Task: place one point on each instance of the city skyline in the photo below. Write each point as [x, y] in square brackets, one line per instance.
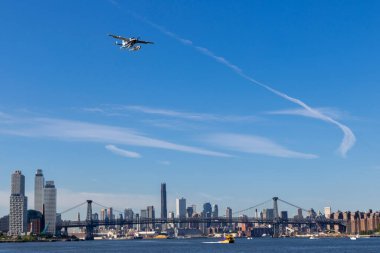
[182, 209]
[249, 222]
[269, 91]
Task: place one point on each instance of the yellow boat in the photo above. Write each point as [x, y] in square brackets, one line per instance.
[228, 239]
[161, 236]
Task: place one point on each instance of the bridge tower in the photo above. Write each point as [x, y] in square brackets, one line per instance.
[89, 223]
[276, 220]
[275, 208]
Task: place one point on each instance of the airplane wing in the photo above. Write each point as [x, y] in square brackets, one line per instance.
[144, 42]
[119, 37]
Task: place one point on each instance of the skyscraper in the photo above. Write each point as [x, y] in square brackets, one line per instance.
[128, 214]
[143, 217]
[189, 211]
[327, 212]
[164, 210]
[181, 208]
[151, 216]
[215, 213]
[268, 214]
[39, 183]
[103, 214]
[50, 204]
[110, 214]
[229, 216]
[284, 215]
[18, 183]
[18, 205]
[299, 211]
[207, 209]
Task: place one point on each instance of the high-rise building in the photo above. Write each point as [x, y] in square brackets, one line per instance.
[207, 212]
[311, 213]
[50, 206]
[143, 216]
[189, 211]
[171, 216]
[128, 214]
[207, 209]
[164, 210]
[268, 214]
[4, 224]
[181, 208]
[327, 212]
[151, 215]
[299, 213]
[151, 212]
[284, 215]
[95, 216]
[39, 183]
[103, 214]
[215, 213]
[18, 183]
[229, 215]
[110, 214]
[35, 222]
[18, 205]
[137, 226]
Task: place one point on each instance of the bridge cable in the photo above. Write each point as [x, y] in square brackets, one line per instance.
[303, 209]
[252, 207]
[118, 211]
[71, 208]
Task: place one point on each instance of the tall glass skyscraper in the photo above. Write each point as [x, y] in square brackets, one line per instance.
[164, 209]
[215, 213]
[181, 208]
[39, 183]
[207, 209]
[229, 216]
[50, 203]
[18, 205]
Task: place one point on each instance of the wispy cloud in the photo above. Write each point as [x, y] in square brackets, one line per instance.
[5, 118]
[122, 152]
[189, 115]
[331, 112]
[349, 138]
[82, 131]
[93, 109]
[118, 109]
[254, 145]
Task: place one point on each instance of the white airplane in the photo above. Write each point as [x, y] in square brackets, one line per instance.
[129, 43]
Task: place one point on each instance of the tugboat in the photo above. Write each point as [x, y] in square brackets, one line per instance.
[228, 239]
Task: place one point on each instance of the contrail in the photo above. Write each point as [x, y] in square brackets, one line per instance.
[349, 138]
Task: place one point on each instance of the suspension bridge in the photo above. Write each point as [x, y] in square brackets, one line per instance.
[276, 222]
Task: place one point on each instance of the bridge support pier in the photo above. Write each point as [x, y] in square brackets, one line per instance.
[276, 224]
[89, 223]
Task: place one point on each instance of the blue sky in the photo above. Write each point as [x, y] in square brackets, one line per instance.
[235, 103]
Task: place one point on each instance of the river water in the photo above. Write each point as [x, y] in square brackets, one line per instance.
[259, 245]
